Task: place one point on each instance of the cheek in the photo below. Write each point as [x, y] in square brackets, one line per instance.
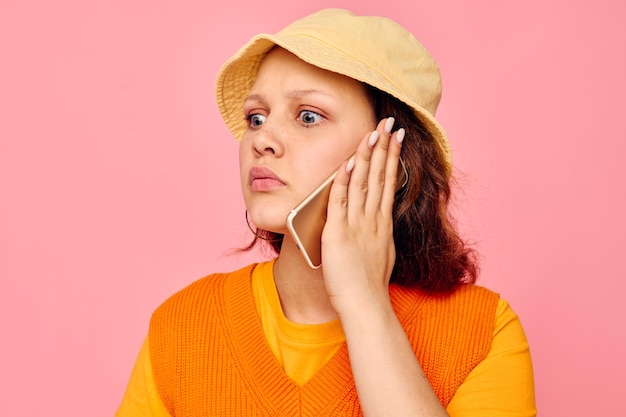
[351, 142]
[326, 161]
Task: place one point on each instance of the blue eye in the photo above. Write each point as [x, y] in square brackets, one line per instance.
[255, 120]
[310, 117]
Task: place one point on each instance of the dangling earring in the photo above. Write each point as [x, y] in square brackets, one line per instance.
[257, 233]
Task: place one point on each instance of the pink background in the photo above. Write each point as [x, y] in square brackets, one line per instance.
[119, 181]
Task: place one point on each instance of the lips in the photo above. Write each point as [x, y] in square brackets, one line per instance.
[263, 179]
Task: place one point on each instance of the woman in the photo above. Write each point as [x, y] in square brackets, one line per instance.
[391, 324]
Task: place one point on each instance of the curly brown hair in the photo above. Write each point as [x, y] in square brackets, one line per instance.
[430, 254]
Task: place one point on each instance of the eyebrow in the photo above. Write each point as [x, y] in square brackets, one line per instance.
[291, 94]
[296, 94]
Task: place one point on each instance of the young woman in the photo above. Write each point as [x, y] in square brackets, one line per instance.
[391, 324]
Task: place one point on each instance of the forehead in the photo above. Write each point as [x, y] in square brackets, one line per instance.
[280, 66]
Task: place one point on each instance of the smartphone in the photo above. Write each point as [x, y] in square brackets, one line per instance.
[306, 221]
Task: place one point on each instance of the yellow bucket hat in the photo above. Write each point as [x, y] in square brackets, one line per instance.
[372, 49]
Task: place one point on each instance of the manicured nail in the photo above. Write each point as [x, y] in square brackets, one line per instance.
[389, 124]
[400, 135]
[373, 139]
[350, 165]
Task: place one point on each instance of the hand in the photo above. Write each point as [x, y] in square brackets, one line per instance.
[357, 242]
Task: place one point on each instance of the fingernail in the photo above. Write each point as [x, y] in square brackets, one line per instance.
[373, 139]
[389, 124]
[400, 135]
[350, 165]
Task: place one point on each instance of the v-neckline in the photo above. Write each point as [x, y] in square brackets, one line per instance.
[331, 383]
[327, 388]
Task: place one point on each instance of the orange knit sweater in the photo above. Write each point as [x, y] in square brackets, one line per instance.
[210, 357]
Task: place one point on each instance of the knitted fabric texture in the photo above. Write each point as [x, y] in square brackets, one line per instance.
[210, 358]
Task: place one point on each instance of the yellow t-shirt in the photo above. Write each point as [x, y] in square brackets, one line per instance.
[301, 349]
[502, 382]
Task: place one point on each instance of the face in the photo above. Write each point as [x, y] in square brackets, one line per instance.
[303, 122]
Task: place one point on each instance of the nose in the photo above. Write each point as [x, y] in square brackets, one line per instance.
[268, 140]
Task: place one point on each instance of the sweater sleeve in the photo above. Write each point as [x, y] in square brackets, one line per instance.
[502, 384]
[141, 398]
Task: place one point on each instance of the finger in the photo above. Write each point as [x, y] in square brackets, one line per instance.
[377, 176]
[391, 174]
[359, 182]
[338, 196]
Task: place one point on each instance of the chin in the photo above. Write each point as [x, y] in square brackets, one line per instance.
[272, 222]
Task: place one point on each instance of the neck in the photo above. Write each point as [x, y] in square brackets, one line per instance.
[302, 292]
